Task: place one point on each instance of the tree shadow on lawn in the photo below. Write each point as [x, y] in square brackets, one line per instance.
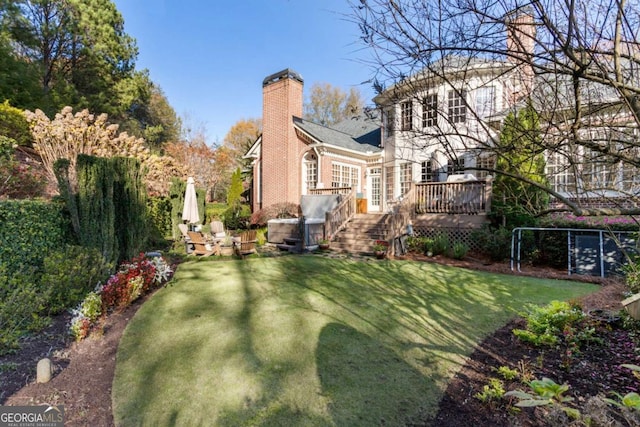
[367, 383]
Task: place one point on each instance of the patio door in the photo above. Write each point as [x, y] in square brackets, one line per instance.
[374, 186]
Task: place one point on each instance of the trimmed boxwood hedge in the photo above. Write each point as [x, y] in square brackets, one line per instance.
[31, 229]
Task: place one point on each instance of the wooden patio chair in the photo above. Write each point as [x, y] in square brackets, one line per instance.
[218, 234]
[201, 246]
[184, 230]
[246, 244]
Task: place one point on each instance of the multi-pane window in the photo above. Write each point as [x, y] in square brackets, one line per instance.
[455, 166]
[598, 171]
[484, 162]
[344, 176]
[406, 178]
[457, 107]
[561, 175]
[485, 101]
[428, 173]
[388, 182]
[430, 110]
[311, 166]
[406, 115]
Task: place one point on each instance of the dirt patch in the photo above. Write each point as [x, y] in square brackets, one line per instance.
[85, 370]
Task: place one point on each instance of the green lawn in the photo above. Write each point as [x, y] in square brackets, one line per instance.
[307, 340]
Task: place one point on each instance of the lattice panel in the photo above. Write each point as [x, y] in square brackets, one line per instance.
[454, 234]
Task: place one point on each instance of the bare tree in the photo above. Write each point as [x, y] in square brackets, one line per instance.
[576, 62]
[328, 105]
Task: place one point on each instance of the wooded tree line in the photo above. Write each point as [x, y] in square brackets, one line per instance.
[57, 53]
[70, 62]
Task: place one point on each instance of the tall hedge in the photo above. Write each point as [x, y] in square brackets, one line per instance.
[112, 206]
[30, 230]
[176, 195]
[130, 200]
[96, 210]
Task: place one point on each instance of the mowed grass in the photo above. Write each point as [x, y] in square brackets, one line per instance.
[310, 341]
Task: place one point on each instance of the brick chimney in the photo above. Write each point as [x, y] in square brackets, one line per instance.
[280, 170]
[521, 41]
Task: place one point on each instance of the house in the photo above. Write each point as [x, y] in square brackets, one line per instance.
[423, 131]
[293, 157]
[428, 143]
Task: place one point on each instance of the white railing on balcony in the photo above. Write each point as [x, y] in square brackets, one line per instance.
[470, 197]
[331, 190]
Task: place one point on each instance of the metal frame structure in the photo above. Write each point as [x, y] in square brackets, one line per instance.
[600, 232]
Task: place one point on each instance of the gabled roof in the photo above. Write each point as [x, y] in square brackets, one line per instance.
[361, 134]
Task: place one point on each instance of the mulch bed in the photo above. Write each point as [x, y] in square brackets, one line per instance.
[85, 370]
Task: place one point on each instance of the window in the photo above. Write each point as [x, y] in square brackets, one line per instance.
[430, 111]
[406, 177]
[406, 115]
[561, 176]
[388, 183]
[457, 106]
[455, 166]
[389, 125]
[598, 171]
[345, 176]
[485, 162]
[428, 172]
[311, 166]
[485, 101]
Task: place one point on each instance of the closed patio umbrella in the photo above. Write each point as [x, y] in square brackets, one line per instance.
[190, 209]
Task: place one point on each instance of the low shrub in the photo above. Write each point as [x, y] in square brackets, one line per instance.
[69, 274]
[21, 305]
[631, 272]
[496, 242]
[237, 217]
[31, 230]
[276, 211]
[546, 324]
[133, 279]
[459, 250]
[441, 244]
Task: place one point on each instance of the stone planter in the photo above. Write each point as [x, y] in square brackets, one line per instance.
[324, 246]
[379, 254]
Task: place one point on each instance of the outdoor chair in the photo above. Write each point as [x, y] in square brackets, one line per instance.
[246, 244]
[217, 231]
[201, 246]
[184, 229]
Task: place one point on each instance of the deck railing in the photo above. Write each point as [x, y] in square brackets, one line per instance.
[401, 213]
[331, 190]
[338, 217]
[470, 197]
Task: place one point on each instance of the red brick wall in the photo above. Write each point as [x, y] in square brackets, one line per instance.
[281, 149]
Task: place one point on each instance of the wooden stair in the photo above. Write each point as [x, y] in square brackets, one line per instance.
[361, 233]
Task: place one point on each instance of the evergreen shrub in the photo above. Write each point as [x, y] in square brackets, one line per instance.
[69, 274]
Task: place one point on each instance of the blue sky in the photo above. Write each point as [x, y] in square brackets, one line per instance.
[210, 56]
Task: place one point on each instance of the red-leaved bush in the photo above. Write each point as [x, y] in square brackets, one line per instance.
[133, 279]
